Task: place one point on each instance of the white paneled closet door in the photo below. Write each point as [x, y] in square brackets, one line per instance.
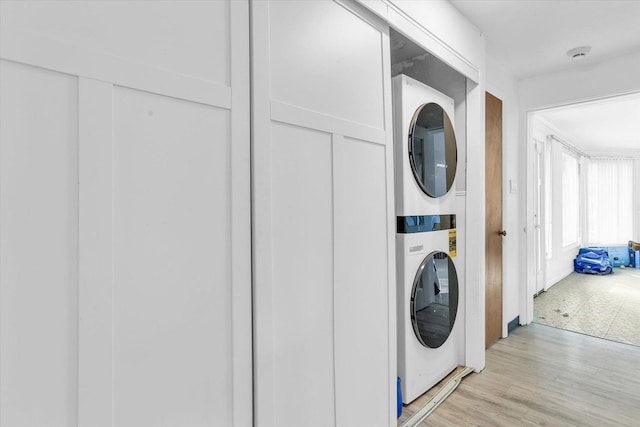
[125, 269]
[324, 257]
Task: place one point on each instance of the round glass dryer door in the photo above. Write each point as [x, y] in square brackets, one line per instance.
[434, 300]
[432, 150]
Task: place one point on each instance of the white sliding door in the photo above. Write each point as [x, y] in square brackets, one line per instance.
[38, 246]
[324, 280]
[125, 214]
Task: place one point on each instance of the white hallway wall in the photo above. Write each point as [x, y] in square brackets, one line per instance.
[560, 265]
[616, 76]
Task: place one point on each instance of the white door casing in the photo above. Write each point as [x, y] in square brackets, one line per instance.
[538, 216]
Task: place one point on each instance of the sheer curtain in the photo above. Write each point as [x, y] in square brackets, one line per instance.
[570, 198]
[610, 204]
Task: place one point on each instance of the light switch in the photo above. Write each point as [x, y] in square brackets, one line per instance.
[513, 186]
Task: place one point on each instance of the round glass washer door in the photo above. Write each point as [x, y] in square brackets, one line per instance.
[434, 299]
[433, 151]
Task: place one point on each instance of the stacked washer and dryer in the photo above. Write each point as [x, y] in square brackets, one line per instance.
[430, 341]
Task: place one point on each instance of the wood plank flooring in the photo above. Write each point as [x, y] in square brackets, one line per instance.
[543, 376]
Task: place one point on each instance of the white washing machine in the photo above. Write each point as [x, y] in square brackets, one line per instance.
[425, 149]
[430, 341]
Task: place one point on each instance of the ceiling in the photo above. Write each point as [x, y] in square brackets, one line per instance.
[532, 37]
[600, 128]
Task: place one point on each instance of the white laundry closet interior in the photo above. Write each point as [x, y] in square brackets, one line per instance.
[430, 206]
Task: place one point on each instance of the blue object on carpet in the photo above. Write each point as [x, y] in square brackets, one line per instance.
[592, 261]
[618, 255]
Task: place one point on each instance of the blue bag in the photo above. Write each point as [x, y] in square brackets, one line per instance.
[592, 261]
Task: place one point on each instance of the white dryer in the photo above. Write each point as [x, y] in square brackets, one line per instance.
[425, 149]
[430, 341]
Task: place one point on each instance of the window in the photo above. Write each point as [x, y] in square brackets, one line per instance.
[609, 201]
[570, 199]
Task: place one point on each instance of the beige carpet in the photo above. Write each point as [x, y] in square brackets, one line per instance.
[601, 306]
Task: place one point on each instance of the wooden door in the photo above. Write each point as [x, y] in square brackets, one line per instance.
[493, 220]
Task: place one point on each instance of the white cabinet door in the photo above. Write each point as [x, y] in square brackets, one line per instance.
[38, 246]
[323, 245]
[125, 214]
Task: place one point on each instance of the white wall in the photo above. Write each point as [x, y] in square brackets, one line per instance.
[615, 76]
[504, 86]
[560, 264]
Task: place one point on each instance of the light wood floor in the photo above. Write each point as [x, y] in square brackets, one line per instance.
[543, 376]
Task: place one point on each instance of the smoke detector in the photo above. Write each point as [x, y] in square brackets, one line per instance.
[578, 52]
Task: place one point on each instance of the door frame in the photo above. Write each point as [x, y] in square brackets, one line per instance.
[539, 213]
[526, 297]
